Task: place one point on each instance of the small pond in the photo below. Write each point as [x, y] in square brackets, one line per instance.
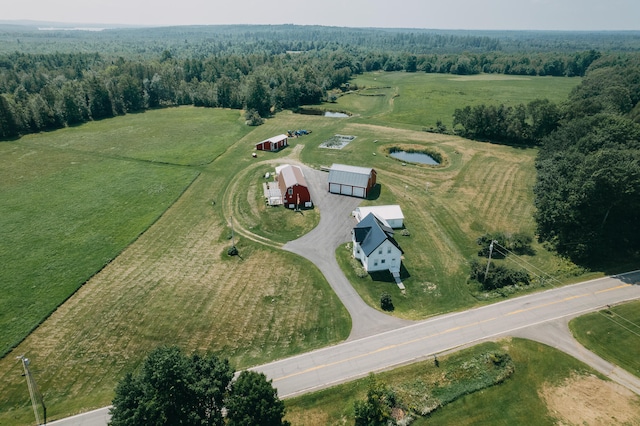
[333, 114]
[414, 157]
[315, 111]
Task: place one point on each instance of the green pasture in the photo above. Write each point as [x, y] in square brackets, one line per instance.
[417, 100]
[151, 197]
[611, 333]
[63, 218]
[73, 199]
[515, 401]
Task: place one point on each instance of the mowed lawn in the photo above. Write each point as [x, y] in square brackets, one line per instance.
[612, 333]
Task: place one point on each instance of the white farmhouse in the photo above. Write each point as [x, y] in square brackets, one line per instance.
[375, 247]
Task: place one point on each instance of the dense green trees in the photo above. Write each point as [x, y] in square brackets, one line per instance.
[174, 389]
[267, 68]
[254, 402]
[376, 408]
[520, 125]
[588, 186]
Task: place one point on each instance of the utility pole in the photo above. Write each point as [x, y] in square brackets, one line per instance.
[34, 393]
[489, 261]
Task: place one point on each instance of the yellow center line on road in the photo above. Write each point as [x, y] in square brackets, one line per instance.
[613, 288]
[546, 304]
[385, 348]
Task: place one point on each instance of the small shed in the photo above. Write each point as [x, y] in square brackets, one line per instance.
[293, 186]
[275, 143]
[390, 215]
[351, 180]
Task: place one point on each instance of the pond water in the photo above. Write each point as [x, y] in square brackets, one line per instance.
[335, 114]
[414, 157]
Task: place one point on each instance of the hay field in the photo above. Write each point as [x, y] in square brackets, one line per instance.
[175, 285]
[417, 100]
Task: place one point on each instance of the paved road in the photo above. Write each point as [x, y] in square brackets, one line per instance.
[356, 358]
[319, 246]
[557, 335]
[352, 359]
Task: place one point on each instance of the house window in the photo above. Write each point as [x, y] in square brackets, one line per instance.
[389, 250]
[380, 251]
[290, 191]
[375, 263]
[382, 261]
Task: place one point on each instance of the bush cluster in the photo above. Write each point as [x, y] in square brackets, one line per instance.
[498, 276]
[518, 243]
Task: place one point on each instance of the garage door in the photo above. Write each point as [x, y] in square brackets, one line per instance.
[334, 188]
[347, 190]
[358, 192]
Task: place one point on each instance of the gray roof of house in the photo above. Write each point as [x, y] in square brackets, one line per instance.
[370, 233]
[349, 175]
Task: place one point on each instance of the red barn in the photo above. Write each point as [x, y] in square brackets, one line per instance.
[275, 143]
[293, 187]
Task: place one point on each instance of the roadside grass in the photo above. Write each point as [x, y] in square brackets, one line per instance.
[176, 285]
[611, 333]
[514, 401]
[419, 100]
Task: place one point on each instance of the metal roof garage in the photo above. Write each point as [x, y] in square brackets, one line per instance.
[351, 180]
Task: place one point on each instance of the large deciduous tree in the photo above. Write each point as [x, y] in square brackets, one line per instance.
[174, 389]
[254, 402]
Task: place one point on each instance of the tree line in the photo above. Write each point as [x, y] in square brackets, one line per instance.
[587, 190]
[261, 68]
[49, 91]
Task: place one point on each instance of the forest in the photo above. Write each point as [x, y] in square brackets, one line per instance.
[588, 186]
[52, 79]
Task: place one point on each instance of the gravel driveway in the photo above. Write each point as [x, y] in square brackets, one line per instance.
[319, 247]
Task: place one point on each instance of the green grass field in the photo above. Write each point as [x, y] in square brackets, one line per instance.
[139, 207]
[610, 333]
[417, 100]
[518, 400]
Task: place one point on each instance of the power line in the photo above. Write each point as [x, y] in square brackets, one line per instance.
[552, 278]
[34, 392]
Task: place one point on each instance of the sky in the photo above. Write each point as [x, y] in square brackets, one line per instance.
[572, 15]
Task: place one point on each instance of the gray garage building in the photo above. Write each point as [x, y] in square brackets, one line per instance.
[351, 180]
